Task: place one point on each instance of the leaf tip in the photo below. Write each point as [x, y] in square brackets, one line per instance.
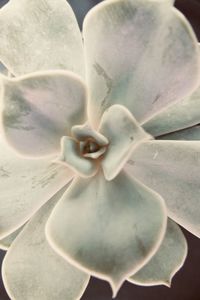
[115, 284]
[167, 283]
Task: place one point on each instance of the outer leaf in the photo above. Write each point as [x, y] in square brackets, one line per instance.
[40, 35]
[142, 54]
[178, 116]
[182, 114]
[166, 262]
[32, 270]
[8, 240]
[171, 168]
[25, 185]
[108, 228]
[124, 134]
[3, 69]
[190, 134]
[40, 108]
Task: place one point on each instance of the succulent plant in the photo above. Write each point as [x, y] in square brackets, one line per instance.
[93, 173]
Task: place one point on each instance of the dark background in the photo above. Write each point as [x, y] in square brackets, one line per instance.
[186, 283]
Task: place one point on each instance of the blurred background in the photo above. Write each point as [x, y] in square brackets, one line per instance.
[186, 283]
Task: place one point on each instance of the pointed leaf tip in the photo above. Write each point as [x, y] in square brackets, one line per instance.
[168, 283]
[166, 261]
[115, 285]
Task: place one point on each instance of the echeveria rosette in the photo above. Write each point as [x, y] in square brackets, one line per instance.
[140, 58]
[81, 151]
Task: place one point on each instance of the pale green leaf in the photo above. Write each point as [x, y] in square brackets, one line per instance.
[33, 271]
[183, 114]
[40, 108]
[8, 240]
[39, 35]
[108, 228]
[124, 134]
[169, 258]
[25, 185]
[142, 54]
[188, 134]
[171, 168]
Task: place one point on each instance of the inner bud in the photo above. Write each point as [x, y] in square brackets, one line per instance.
[91, 149]
[90, 146]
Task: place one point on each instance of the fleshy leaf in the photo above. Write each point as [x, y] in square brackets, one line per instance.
[142, 54]
[3, 69]
[96, 155]
[38, 109]
[25, 185]
[166, 262]
[32, 270]
[124, 134]
[171, 168]
[8, 240]
[108, 228]
[39, 35]
[70, 155]
[178, 116]
[188, 134]
[82, 132]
